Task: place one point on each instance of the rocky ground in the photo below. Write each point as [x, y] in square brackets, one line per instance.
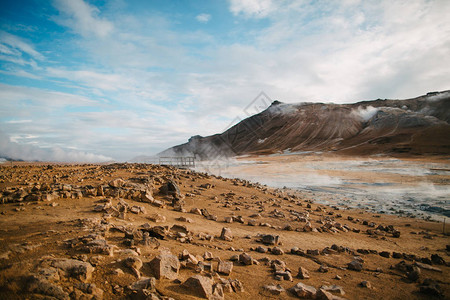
[154, 232]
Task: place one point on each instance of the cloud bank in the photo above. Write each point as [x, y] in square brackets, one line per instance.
[16, 151]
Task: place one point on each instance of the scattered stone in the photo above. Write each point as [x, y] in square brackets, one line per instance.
[73, 268]
[41, 286]
[245, 259]
[413, 274]
[325, 295]
[201, 286]
[170, 188]
[261, 249]
[157, 218]
[366, 284]
[302, 290]
[323, 269]
[303, 273]
[269, 239]
[226, 234]
[431, 287]
[165, 265]
[333, 289]
[274, 289]
[385, 254]
[277, 251]
[355, 266]
[184, 219]
[135, 264]
[225, 267]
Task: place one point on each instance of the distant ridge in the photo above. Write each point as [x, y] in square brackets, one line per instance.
[417, 126]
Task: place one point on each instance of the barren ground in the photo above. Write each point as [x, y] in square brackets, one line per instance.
[33, 230]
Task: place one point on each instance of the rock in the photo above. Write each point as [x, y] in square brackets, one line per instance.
[323, 269]
[38, 285]
[333, 289]
[228, 219]
[385, 254]
[73, 268]
[201, 286]
[277, 251]
[269, 239]
[355, 266]
[165, 265]
[144, 284]
[236, 285]
[274, 289]
[226, 234]
[117, 271]
[184, 219]
[427, 267]
[116, 183]
[49, 274]
[135, 264]
[413, 274]
[245, 259]
[91, 289]
[157, 218]
[325, 295]
[225, 267]
[366, 284]
[303, 273]
[261, 249]
[436, 259]
[170, 188]
[302, 290]
[208, 255]
[431, 287]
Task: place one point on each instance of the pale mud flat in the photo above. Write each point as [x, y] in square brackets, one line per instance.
[415, 187]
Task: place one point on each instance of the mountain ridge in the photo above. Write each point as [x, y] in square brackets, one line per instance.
[414, 126]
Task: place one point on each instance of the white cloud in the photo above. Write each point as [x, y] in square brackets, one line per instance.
[203, 18]
[11, 95]
[14, 150]
[252, 8]
[15, 46]
[83, 18]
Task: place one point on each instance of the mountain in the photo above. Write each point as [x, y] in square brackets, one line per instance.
[413, 126]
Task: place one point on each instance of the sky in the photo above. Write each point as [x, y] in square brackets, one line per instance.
[94, 80]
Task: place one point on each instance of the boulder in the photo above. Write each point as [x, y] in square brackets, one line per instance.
[303, 273]
[226, 234]
[170, 188]
[274, 289]
[41, 286]
[302, 290]
[269, 239]
[201, 286]
[355, 266]
[225, 267]
[277, 251]
[73, 268]
[134, 263]
[165, 265]
[245, 259]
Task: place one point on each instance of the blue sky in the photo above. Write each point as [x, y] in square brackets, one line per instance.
[99, 80]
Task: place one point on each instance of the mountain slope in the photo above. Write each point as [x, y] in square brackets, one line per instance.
[415, 126]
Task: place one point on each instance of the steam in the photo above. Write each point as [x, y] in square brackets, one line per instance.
[16, 151]
[365, 113]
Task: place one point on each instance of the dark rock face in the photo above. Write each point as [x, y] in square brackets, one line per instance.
[418, 126]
